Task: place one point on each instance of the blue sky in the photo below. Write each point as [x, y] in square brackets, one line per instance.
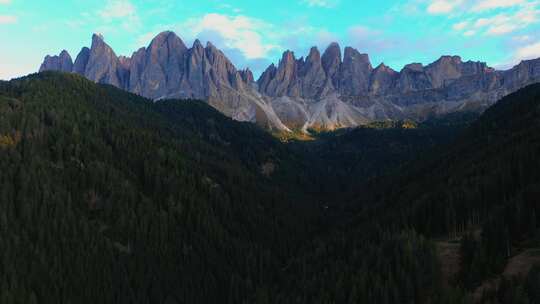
[255, 33]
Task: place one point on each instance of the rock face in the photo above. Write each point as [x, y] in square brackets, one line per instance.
[81, 61]
[325, 91]
[355, 73]
[62, 62]
[103, 65]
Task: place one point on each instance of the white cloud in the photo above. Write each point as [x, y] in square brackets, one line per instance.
[493, 4]
[460, 25]
[473, 6]
[469, 33]
[525, 15]
[7, 19]
[522, 38]
[118, 9]
[506, 23]
[321, 3]
[531, 51]
[145, 38]
[245, 40]
[122, 11]
[373, 41]
[236, 32]
[5, 1]
[443, 6]
[501, 29]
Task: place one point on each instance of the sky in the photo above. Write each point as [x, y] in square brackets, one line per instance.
[255, 33]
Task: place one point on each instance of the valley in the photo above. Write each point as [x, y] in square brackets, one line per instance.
[270, 152]
[109, 197]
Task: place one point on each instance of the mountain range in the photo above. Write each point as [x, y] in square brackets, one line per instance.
[322, 91]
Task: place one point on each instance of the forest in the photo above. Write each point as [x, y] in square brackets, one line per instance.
[107, 197]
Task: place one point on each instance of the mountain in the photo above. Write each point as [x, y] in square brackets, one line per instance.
[327, 91]
[167, 68]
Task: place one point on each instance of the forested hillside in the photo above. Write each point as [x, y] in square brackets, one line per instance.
[107, 197]
[347, 158]
[481, 190]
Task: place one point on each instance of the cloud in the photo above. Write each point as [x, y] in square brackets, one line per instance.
[253, 37]
[321, 3]
[5, 1]
[506, 23]
[443, 6]
[236, 54]
[522, 38]
[531, 51]
[525, 15]
[494, 4]
[118, 9]
[8, 19]
[460, 25]
[247, 41]
[373, 41]
[122, 11]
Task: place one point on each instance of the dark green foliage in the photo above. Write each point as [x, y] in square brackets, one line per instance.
[483, 185]
[370, 268]
[491, 171]
[532, 284]
[106, 197]
[345, 159]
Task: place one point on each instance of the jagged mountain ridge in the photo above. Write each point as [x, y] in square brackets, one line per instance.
[168, 69]
[325, 91]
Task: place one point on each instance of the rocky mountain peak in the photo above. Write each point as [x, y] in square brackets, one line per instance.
[313, 61]
[414, 67]
[169, 41]
[383, 67]
[81, 61]
[522, 73]
[197, 44]
[266, 77]
[328, 90]
[97, 39]
[352, 55]
[354, 75]
[214, 54]
[287, 58]
[210, 45]
[197, 50]
[448, 59]
[383, 79]
[62, 62]
[314, 55]
[247, 76]
[164, 36]
[331, 60]
[285, 75]
[445, 69]
[102, 66]
[65, 54]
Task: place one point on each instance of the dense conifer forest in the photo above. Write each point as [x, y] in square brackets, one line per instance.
[107, 197]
